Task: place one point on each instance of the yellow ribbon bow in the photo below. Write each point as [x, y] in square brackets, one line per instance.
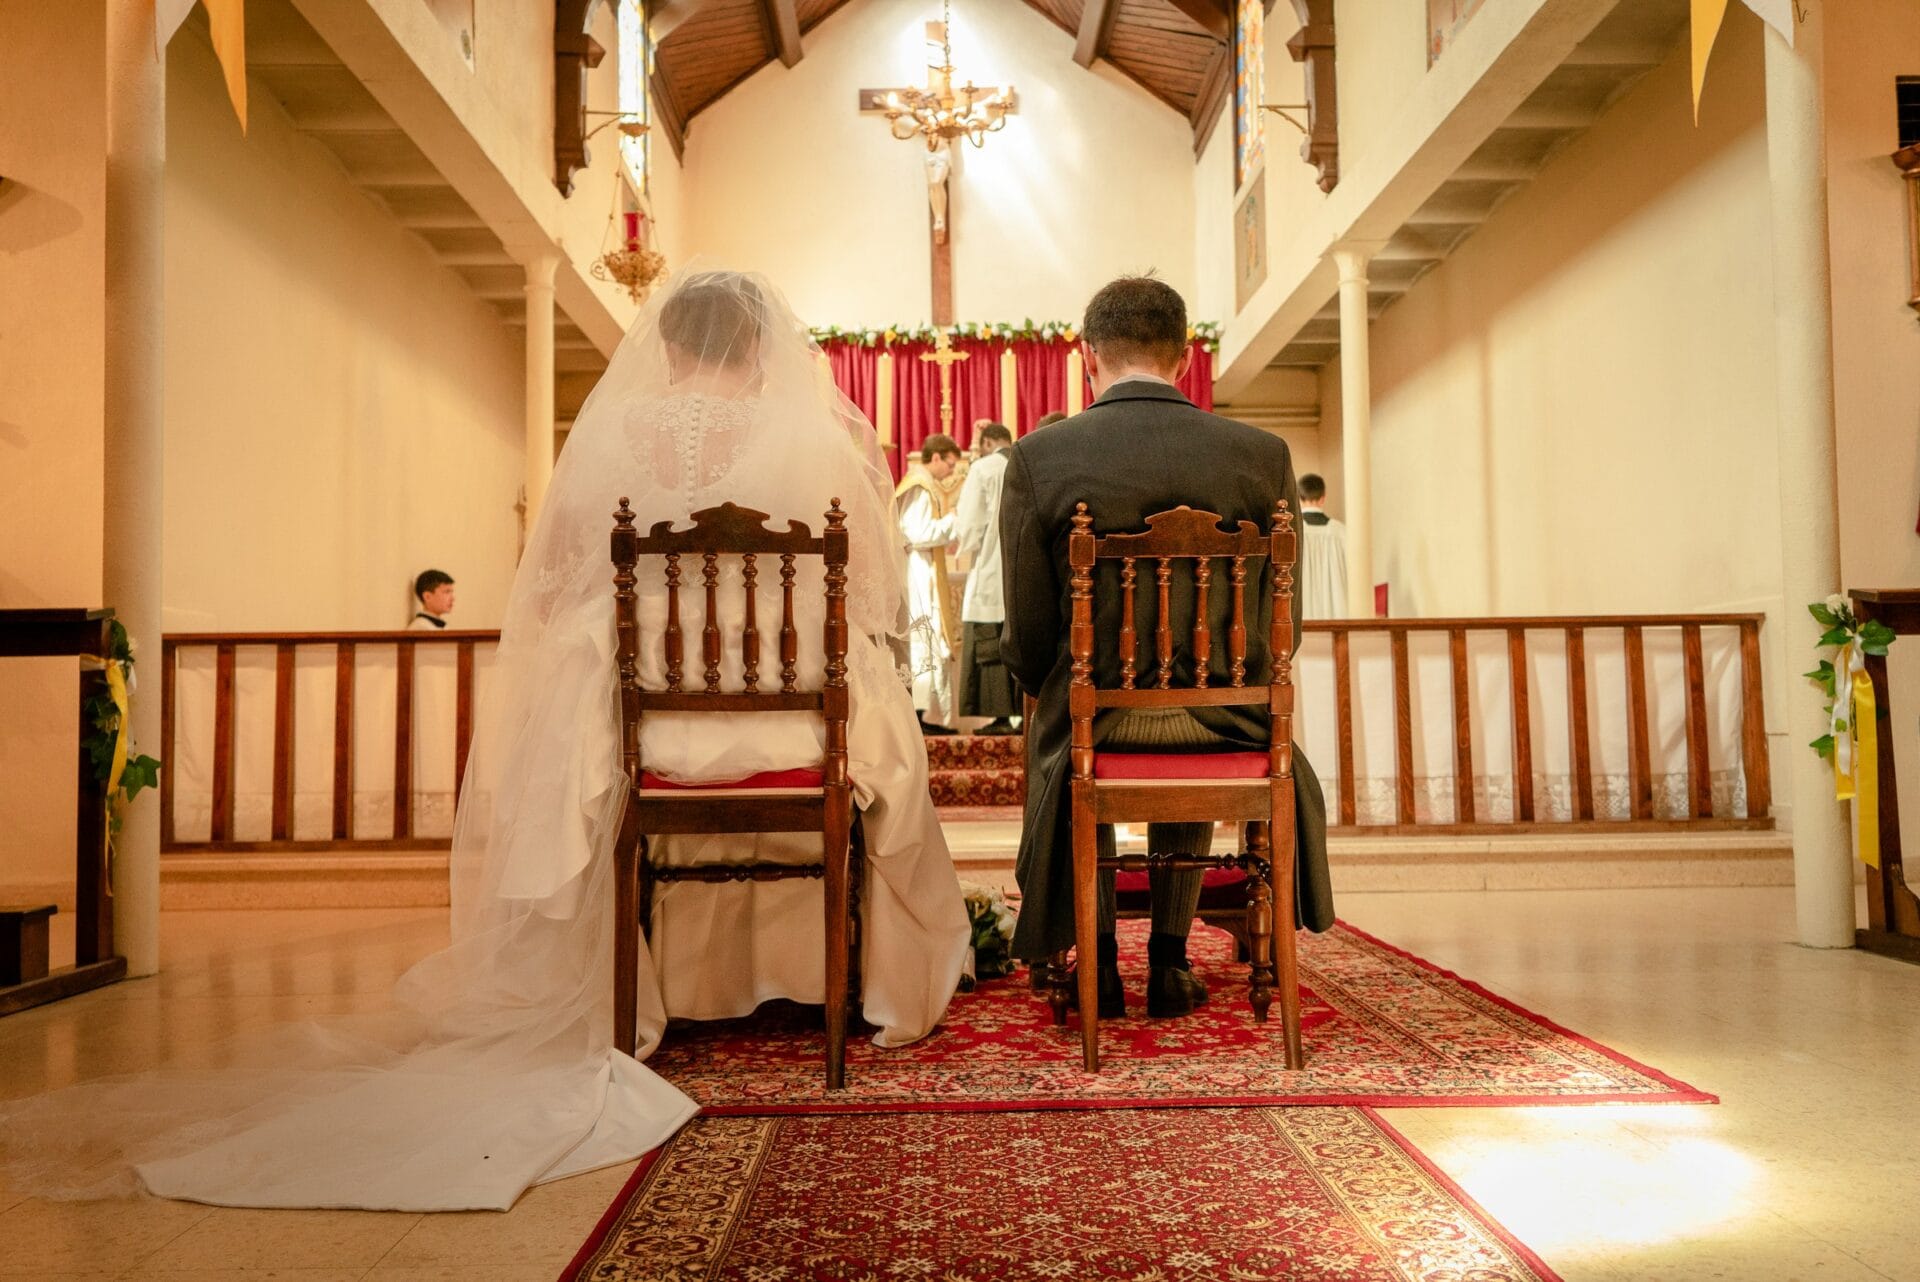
[1856, 748]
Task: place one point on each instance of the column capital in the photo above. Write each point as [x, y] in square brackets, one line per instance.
[540, 262]
[1352, 256]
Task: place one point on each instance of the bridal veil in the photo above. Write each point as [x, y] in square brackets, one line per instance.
[493, 1069]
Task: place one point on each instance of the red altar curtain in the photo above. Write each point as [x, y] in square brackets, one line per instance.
[976, 387]
[916, 393]
[856, 371]
[1041, 386]
[1042, 380]
[1197, 386]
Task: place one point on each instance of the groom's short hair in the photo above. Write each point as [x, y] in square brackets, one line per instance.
[1136, 320]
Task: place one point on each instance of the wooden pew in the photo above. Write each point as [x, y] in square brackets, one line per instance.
[82, 635]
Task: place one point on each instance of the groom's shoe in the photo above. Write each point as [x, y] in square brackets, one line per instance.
[998, 726]
[1113, 992]
[927, 727]
[1172, 991]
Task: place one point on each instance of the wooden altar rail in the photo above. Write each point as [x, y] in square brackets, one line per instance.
[346, 646]
[1526, 816]
[1574, 629]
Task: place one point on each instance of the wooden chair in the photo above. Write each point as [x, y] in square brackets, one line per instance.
[816, 800]
[1254, 788]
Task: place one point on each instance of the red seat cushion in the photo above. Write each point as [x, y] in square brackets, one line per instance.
[804, 778]
[1196, 766]
[1211, 879]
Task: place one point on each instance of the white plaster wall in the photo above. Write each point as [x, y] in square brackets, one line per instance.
[52, 330]
[341, 411]
[1575, 412]
[1380, 54]
[504, 106]
[1213, 199]
[1092, 178]
[1876, 336]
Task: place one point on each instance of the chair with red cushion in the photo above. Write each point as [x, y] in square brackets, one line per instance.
[817, 799]
[1250, 788]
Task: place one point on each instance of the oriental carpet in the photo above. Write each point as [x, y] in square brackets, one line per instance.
[1153, 1195]
[1382, 1029]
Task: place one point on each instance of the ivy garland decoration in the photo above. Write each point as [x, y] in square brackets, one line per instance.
[1843, 629]
[109, 739]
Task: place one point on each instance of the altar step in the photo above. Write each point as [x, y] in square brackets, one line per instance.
[976, 772]
[984, 850]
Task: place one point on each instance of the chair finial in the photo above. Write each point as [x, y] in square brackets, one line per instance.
[1283, 517]
[623, 517]
[836, 516]
[1081, 521]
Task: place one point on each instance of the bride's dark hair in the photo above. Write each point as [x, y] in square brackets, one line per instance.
[717, 317]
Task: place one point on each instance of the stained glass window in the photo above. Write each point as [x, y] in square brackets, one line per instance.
[1249, 88]
[636, 57]
[1444, 20]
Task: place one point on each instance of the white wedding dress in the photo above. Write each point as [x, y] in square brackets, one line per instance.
[494, 1071]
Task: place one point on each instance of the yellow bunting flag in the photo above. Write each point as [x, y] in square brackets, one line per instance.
[228, 20]
[1707, 17]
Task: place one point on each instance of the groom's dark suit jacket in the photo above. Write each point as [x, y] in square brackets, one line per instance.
[1140, 449]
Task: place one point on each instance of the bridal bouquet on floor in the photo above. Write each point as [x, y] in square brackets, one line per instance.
[991, 918]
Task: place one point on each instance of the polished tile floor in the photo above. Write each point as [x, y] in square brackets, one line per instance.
[1810, 1169]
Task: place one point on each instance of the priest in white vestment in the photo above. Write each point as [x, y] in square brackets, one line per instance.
[1323, 554]
[929, 526]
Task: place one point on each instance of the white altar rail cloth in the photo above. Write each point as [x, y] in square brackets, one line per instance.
[354, 741]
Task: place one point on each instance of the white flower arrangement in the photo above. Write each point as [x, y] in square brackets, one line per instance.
[991, 918]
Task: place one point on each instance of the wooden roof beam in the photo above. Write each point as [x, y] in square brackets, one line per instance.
[1096, 24]
[1212, 16]
[783, 25]
[667, 113]
[1213, 94]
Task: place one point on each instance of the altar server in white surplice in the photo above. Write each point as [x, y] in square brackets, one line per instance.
[494, 1069]
[929, 525]
[986, 686]
[1323, 554]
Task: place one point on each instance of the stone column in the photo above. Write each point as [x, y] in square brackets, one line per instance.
[131, 545]
[540, 266]
[1809, 484]
[1356, 422]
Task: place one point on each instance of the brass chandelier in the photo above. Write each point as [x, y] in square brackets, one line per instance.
[941, 113]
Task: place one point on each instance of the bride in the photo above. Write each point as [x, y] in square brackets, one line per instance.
[495, 1069]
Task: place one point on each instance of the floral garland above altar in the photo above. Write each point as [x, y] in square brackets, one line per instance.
[1206, 333]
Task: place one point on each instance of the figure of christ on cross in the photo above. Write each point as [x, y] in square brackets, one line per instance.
[938, 160]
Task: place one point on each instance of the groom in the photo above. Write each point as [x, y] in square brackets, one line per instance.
[1139, 449]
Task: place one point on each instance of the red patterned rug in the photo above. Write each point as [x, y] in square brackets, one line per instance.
[1175, 1195]
[1382, 1028]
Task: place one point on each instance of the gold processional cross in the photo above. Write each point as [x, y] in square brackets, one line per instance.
[938, 163]
[946, 358]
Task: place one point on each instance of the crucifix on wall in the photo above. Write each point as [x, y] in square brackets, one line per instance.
[938, 116]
